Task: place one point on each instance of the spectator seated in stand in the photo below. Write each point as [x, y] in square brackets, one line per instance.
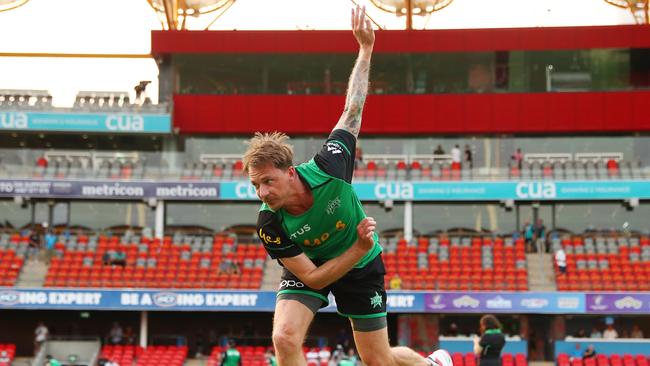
[636, 332]
[119, 259]
[225, 267]
[610, 332]
[589, 352]
[114, 258]
[577, 353]
[396, 282]
[235, 268]
[439, 151]
[107, 258]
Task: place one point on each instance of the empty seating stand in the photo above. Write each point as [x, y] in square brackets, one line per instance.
[387, 167]
[122, 355]
[602, 262]
[580, 166]
[535, 166]
[214, 167]
[162, 355]
[382, 167]
[150, 356]
[437, 167]
[13, 251]
[83, 164]
[25, 100]
[179, 261]
[564, 359]
[457, 263]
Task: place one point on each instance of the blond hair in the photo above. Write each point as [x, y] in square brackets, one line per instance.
[268, 148]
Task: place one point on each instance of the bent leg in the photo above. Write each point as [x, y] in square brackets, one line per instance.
[290, 324]
[374, 349]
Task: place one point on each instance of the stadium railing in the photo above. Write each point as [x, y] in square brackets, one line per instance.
[134, 165]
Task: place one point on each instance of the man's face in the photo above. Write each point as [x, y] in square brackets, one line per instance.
[272, 185]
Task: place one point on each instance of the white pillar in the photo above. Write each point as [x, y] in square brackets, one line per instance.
[144, 320]
[408, 220]
[160, 219]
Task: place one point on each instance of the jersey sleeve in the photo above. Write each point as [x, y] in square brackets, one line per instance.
[336, 158]
[483, 342]
[276, 242]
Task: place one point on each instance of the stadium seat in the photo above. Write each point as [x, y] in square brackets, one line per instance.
[13, 251]
[217, 261]
[604, 262]
[430, 263]
[255, 355]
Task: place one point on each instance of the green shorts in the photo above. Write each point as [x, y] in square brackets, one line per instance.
[360, 294]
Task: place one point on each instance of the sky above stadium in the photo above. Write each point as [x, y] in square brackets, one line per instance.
[124, 26]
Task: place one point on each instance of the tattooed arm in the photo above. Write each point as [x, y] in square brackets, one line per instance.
[358, 85]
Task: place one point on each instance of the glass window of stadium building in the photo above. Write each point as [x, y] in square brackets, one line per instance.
[418, 73]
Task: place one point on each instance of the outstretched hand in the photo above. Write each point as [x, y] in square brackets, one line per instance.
[362, 28]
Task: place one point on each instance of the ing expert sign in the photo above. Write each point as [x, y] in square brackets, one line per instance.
[137, 300]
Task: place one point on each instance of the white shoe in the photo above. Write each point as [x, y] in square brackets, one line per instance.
[440, 358]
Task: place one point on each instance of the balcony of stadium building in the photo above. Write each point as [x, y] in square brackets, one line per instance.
[22, 100]
[126, 157]
[100, 135]
[87, 101]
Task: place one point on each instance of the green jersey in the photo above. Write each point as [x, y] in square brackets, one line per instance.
[231, 358]
[329, 227]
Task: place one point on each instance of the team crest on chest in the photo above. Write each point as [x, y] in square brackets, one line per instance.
[333, 205]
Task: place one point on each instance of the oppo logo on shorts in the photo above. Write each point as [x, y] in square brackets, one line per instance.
[291, 283]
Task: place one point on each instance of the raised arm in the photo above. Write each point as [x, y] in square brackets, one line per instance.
[358, 85]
